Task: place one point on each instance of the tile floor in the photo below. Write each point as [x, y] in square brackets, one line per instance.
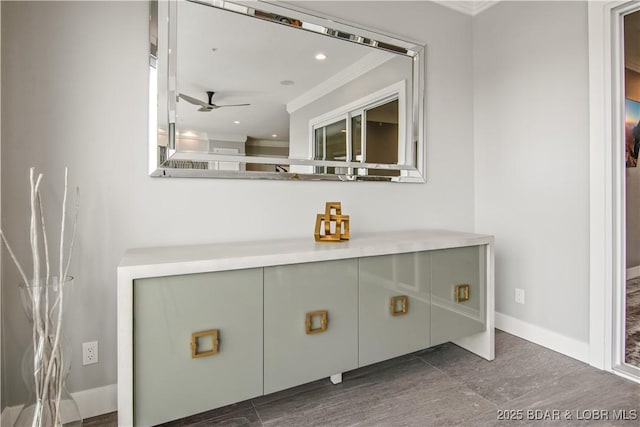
[632, 324]
[444, 386]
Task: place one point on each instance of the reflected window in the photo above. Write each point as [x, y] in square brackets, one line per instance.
[344, 138]
[356, 143]
[382, 137]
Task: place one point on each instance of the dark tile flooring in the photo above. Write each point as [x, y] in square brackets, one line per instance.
[444, 386]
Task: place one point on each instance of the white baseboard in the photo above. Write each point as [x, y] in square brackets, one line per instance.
[92, 402]
[97, 401]
[552, 340]
[633, 272]
[9, 415]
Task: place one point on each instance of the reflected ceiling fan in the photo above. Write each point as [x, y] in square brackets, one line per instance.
[210, 106]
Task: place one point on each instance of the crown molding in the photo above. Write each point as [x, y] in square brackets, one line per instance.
[468, 7]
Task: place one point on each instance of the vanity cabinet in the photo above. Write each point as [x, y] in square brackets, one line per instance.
[393, 306]
[172, 380]
[458, 293]
[310, 322]
[201, 327]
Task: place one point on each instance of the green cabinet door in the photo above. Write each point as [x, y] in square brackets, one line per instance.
[393, 305]
[458, 293]
[169, 382]
[296, 298]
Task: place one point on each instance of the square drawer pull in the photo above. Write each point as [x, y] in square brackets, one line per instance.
[404, 305]
[323, 321]
[195, 337]
[462, 293]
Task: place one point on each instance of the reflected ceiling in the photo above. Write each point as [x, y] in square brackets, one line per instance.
[264, 64]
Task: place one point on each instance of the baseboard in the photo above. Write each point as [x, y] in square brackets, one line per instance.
[633, 272]
[552, 340]
[92, 402]
[97, 401]
[9, 415]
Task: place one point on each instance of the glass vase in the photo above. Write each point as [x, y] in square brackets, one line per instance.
[47, 360]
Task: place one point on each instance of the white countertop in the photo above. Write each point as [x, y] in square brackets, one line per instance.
[172, 260]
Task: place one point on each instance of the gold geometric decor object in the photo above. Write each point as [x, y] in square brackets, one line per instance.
[332, 226]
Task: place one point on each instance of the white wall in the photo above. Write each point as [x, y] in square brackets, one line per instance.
[74, 93]
[532, 178]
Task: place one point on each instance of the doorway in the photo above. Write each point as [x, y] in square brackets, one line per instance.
[607, 179]
[631, 294]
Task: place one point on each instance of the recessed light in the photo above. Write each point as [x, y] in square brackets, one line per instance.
[274, 136]
[321, 56]
[236, 122]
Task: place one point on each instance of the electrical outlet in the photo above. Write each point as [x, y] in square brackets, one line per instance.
[520, 296]
[89, 353]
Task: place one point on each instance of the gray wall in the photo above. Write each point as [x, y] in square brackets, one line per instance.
[74, 93]
[531, 143]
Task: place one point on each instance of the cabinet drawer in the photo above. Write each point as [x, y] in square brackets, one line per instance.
[291, 355]
[168, 382]
[453, 317]
[384, 334]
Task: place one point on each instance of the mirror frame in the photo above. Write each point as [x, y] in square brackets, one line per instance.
[163, 108]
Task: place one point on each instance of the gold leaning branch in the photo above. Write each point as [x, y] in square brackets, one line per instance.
[48, 359]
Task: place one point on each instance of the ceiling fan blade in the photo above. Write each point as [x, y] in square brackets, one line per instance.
[193, 100]
[231, 105]
[205, 109]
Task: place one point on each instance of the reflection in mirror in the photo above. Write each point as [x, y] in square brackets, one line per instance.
[259, 91]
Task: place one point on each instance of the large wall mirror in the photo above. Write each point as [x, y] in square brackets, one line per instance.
[258, 90]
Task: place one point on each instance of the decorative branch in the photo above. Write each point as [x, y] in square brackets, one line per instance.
[75, 229]
[45, 245]
[61, 279]
[48, 358]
